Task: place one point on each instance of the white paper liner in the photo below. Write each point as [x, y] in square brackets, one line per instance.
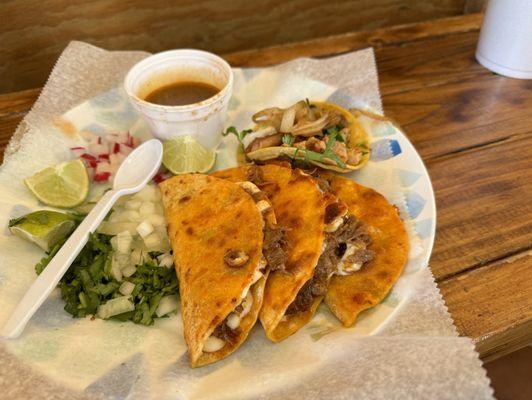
[417, 354]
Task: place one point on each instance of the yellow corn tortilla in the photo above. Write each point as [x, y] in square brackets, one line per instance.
[207, 217]
[299, 207]
[347, 296]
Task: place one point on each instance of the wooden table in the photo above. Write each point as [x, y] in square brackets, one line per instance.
[474, 131]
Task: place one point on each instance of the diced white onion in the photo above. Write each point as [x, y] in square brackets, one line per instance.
[157, 220]
[166, 260]
[148, 193]
[114, 228]
[144, 229]
[115, 306]
[116, 271]
[167, 305]
[129, 270]
[126, 288]
[123, 242]
[213, 344]
[132, 205]
[153, 242]
[147, 208]
[138, 257]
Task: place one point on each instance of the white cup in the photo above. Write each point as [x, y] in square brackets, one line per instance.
[203, 120]
[505, 44]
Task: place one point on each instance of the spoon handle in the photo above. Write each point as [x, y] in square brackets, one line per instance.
[54, 271]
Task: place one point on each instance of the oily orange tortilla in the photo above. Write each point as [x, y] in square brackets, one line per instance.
[349, 295]
[205, 217]
[300, 208]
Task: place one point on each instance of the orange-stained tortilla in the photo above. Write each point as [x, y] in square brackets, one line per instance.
[207, 217]
[300, 208]
[349, 295]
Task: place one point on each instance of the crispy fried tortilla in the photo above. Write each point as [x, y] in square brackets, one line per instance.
[300, 209]
[350, 294]
[216, 231]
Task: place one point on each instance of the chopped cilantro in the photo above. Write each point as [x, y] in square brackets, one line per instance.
[239, 135]
[288, 139]
[88, 282]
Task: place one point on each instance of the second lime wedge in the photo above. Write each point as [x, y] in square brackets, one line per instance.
[44, 228]
[183, 154]
[65, 185]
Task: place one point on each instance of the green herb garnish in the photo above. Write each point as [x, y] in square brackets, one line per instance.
[239, 135]
[88, 283]
[288, 139]
[333, 135]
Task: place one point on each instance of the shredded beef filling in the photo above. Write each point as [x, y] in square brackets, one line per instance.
[254, 175]
[225, 333]
[351, 231]
[274, 241]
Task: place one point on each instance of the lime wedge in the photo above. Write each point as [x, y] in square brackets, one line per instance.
[66, 185]
[44, 228]
[184, 154]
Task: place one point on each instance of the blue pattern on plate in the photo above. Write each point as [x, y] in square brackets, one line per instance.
[424, 228]
[384, 149]
[408, 178]
[414, 203]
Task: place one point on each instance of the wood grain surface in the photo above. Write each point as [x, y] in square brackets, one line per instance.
[34, 32]
[474, 131]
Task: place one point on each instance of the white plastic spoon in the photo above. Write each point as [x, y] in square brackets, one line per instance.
[135, 172]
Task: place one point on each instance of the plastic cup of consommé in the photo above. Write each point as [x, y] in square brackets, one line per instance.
[182, 92]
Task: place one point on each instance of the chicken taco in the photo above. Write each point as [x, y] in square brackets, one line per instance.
[320, 133]
[221, 262]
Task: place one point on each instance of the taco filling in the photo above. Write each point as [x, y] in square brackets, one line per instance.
[273, 258]
[319, 133]
[345, 251]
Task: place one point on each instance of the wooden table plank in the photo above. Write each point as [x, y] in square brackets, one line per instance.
[13, 107]
[493, 305]
[483, 198]
[461, 115]
[338, 44]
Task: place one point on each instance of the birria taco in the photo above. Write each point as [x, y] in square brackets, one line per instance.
[299, 206]
[372, 249]
[320, 133]
[218, 231]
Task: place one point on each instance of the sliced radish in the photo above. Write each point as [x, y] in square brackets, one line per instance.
[101, 177]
